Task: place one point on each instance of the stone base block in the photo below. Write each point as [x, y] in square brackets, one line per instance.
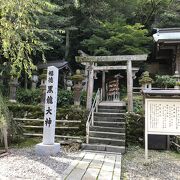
[47, 150]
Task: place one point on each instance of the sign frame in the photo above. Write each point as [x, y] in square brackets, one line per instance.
[157, 132]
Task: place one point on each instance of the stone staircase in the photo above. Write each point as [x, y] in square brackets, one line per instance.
[108, 131]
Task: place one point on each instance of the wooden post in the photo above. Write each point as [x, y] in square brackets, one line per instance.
[103, 85]
[86, 76]
[129, 86]
[90, 87]
[178, 59]
[5, 138]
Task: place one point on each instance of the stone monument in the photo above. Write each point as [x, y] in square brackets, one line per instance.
[34, 80]
[12, 89]
[48, 147]
[77, 78]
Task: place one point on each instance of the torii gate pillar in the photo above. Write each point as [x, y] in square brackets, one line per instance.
[103, 85]
[129, 86]
[90, 87]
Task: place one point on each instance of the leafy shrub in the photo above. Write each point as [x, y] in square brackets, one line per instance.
[123, 92]
[165, 81]
[37, 112]
[83, 98]
[4, 116]
[28, 96]
[138, 104]
[134, 128]
[4, 89]
[6, 121]
[65, 98]
[29, 111]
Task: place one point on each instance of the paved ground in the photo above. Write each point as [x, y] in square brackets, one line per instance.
[94, 166]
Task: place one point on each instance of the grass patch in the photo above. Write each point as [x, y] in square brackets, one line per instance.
[29, 142]
[175, 154]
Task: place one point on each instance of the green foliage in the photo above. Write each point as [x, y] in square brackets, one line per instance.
[145, 78]
[123, 91]
[6, 121]
[26, 142]
[83, 98]
[24, 32]
[34, 30]
[134, 128]
[4, 113]
[65, 98]
[138, 104]
[29, 111]
[118, 38]
[148, 11]
[165, 81]
[37, 112]
[28, 96]
[170, 16]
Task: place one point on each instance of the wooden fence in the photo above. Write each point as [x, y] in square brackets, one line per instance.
[34, 128]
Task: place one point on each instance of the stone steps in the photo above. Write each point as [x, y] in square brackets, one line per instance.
[112, 110]
[107, 141]
[109, 124]
[105, 114]
[123, 107]
[107, 135]
[104, 147]
[108, 130]
[109, 119]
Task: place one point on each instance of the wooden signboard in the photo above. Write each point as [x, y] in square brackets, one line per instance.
[162, 117]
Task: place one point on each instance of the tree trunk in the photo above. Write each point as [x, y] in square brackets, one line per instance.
[67, 44]
[5, 138]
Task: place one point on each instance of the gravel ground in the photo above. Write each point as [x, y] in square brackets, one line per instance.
[162, 165]
[25, 164]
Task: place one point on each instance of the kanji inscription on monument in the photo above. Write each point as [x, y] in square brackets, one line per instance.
[163, 116]
[50, 105]
[48, 147]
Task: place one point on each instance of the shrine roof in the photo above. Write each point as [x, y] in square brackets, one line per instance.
[59, 64]
[167, 34]
[161, 92]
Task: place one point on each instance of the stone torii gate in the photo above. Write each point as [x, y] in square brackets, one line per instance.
[91, 60]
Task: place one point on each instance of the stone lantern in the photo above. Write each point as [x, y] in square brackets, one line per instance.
[69, 83]
[34, 80]
[43, 78]
[12, 89]
[77, 78]
[146, 81]
[177, 78]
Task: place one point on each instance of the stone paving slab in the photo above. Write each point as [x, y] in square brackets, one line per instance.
[94, 166]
